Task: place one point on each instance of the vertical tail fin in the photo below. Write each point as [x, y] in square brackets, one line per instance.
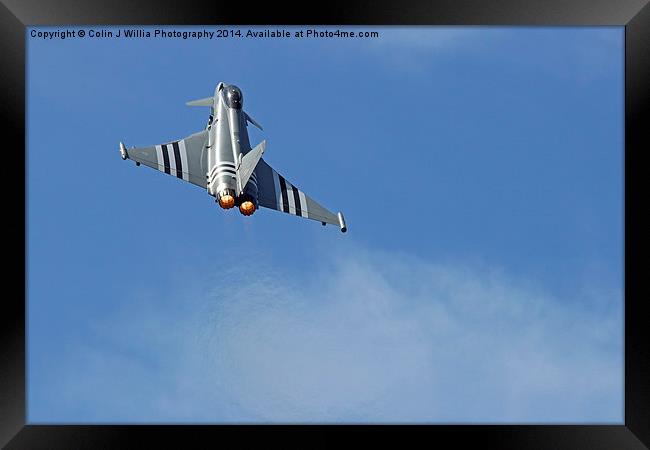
[248, 163]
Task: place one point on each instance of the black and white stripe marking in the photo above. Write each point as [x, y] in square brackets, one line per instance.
[222, 168]
[296, 200]
[172, 159]
[285, 197]
[289, 198]
[177, 160]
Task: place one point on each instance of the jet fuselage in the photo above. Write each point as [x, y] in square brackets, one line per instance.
[227, 143]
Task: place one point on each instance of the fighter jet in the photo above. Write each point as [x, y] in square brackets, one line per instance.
[220, 159]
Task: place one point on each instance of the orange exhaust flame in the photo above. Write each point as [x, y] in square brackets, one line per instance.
[247, 208]
[226, 201]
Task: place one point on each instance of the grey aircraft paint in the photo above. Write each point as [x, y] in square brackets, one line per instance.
[220, 158]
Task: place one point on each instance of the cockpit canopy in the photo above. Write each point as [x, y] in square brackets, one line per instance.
[233, 97]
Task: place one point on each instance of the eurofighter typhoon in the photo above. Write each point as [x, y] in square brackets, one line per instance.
[220, 159]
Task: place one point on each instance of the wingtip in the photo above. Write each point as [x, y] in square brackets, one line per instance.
[344, 227]
[123, 152]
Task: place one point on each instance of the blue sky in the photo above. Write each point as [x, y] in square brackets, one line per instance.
[480, 171]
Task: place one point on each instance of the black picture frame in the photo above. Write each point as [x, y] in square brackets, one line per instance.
[634, 15]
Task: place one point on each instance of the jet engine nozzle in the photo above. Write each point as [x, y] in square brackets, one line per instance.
[226, 198]
[247, 205]
[247, 208]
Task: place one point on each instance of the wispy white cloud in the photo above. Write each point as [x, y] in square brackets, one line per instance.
[577, 53]
[416, 48]
[431, 38]
[367, 337]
